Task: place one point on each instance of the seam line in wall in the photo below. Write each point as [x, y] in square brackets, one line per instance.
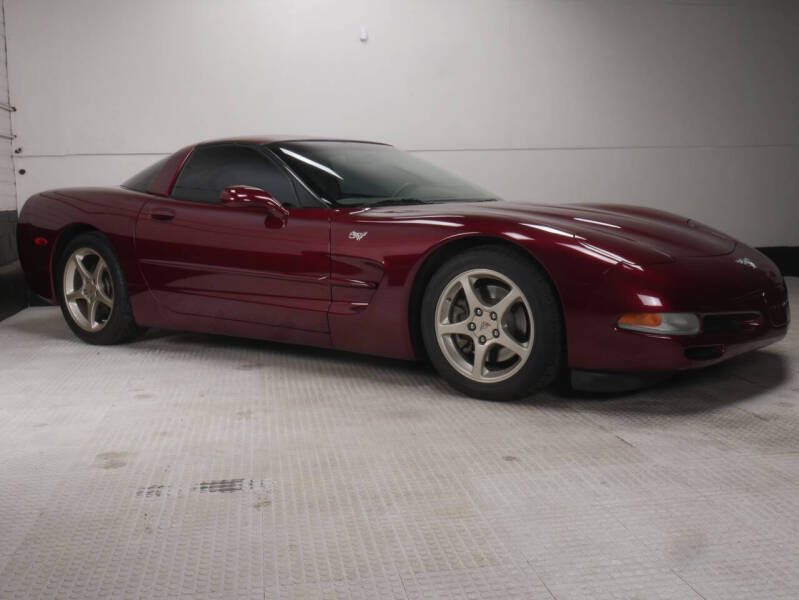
[494, 149]
[68, 154]
[589, 148]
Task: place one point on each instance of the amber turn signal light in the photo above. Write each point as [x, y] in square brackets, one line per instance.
[641, 319]
[663, 323]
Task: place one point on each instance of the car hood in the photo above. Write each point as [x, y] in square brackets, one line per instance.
[658, 236]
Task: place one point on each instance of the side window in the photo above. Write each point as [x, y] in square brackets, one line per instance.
[210, 169]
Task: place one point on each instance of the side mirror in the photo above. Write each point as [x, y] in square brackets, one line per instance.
[242, 196]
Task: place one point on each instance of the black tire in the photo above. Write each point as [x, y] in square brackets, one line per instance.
[543, 364]
[120, 326]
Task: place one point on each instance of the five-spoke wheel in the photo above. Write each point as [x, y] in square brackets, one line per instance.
[491, 323]
[484, 325]
[93, 291]
[88, 289]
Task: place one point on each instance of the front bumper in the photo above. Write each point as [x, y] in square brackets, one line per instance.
[740, 297]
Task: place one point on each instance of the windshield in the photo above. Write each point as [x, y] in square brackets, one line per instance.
[364, 174]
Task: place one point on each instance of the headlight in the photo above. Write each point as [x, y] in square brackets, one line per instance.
[664, 323]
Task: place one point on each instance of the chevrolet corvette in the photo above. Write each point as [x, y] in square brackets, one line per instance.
[360, 247]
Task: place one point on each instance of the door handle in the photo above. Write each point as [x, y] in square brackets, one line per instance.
[162, 214]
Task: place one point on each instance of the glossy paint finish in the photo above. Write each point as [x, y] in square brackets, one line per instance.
[230, 262]
[350, 278]
[598, 271]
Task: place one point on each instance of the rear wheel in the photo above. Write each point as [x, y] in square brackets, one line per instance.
[491, 324]
[93, 292]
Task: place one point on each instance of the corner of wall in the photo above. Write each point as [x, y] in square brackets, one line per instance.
[13, 289]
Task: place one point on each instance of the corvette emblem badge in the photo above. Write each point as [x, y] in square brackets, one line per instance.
[357, 235]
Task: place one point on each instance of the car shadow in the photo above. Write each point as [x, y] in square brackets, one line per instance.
[693, 391]
[689, 392]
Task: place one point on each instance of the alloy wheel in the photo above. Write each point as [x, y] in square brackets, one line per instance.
[484, 325]
[88, 289]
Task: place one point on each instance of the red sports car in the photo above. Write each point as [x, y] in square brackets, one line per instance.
[360, 247]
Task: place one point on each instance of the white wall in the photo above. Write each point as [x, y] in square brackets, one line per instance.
[8, 198]
[689, 106]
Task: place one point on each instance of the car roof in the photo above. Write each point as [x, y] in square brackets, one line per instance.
[273, 139]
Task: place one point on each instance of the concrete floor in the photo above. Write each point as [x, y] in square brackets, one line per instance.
[205, 467]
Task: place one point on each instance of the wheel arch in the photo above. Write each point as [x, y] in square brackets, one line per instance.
[441, 254]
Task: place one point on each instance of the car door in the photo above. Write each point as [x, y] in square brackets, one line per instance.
[200, 257]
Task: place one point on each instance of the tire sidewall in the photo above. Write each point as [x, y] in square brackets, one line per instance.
[118, 323]
[544, 361]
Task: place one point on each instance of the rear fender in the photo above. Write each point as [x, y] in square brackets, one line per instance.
[49, 220]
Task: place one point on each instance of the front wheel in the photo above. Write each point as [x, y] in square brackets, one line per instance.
[93, 292]
[491, 324]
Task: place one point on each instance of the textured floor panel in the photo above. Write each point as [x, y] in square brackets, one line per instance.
[205, 467]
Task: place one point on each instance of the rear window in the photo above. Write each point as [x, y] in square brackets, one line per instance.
[142, 180]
